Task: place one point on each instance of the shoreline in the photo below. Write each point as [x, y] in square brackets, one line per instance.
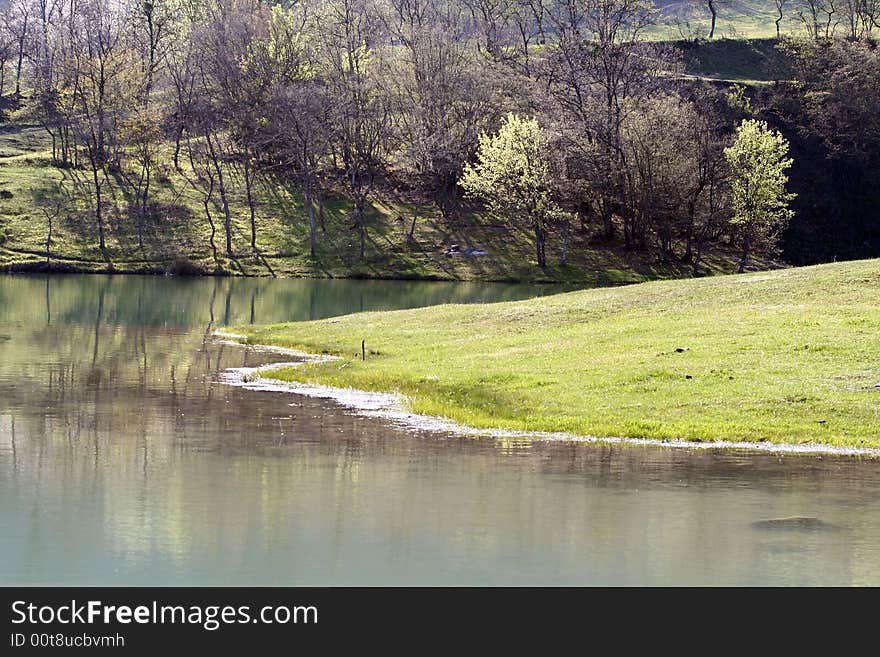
[392, 407]
[66, 268]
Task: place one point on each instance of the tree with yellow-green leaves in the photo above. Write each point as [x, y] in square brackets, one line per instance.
[513, 176]
[758, 177]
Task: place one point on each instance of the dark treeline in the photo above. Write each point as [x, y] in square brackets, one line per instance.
[831, 114]
[363, 98]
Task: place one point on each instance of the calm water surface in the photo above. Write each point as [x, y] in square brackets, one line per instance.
[124, 461]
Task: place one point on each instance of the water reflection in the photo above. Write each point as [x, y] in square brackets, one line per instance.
[158, 301]
[124, 461]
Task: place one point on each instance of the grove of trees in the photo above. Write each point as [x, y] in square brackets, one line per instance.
[558, 115]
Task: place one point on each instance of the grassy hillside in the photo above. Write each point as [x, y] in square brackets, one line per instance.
[736, 19]
[745, 61]
[177, 234]
[786, 356]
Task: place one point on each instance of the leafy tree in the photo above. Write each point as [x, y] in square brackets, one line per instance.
[758, 164]
[513, 175]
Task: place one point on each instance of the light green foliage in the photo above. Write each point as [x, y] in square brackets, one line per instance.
[281, 51]
[738, 100]
[758, 166]
[513, 175]
[783, 356]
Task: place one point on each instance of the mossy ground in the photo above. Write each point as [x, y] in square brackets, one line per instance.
[787, 356]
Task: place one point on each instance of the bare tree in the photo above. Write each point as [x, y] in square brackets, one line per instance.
[18, 22]
[713, 11]
[491, 18]
[102, 60]
[780, 8]
[294, 123]
[819, 18]
[362, 116]
[860, 18]
[439, 101]
[598, 65]
[7, 47]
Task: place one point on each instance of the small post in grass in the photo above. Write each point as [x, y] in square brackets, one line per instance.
[363, 350]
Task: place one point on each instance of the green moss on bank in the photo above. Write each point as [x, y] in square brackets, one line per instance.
[787, 356]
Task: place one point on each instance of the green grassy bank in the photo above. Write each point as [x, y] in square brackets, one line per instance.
[177, 234]
[787, 356]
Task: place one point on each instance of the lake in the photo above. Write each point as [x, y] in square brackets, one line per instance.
[124, 460]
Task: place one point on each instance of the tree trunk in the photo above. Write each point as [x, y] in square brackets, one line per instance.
[361, 229]
[698, 257]
[206, 202]
[607, 220]
[412, 227]
[745, 254]
[143, 187]
[250, 201]
[48, 239]
[178, 135]
[539, 244]
[313, 239]
[140, 226]
[224, 200]
[689, 245]
[664, 238]
[714, 16]
[582, 213]
[144, 201]
[98, 214]
[227, 215]
[51, 134]
[565, 231]
[19, 63]
[65, 145]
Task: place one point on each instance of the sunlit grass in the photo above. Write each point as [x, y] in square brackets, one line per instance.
[737, 19]
[784, 356]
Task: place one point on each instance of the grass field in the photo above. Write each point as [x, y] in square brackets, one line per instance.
[177, 233]
[744, 61]
[737, 19]
[788, 356]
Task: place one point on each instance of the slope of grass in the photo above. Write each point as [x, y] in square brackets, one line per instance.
[787, 356]
[753, 19]
[747, 61]
[176, 232]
